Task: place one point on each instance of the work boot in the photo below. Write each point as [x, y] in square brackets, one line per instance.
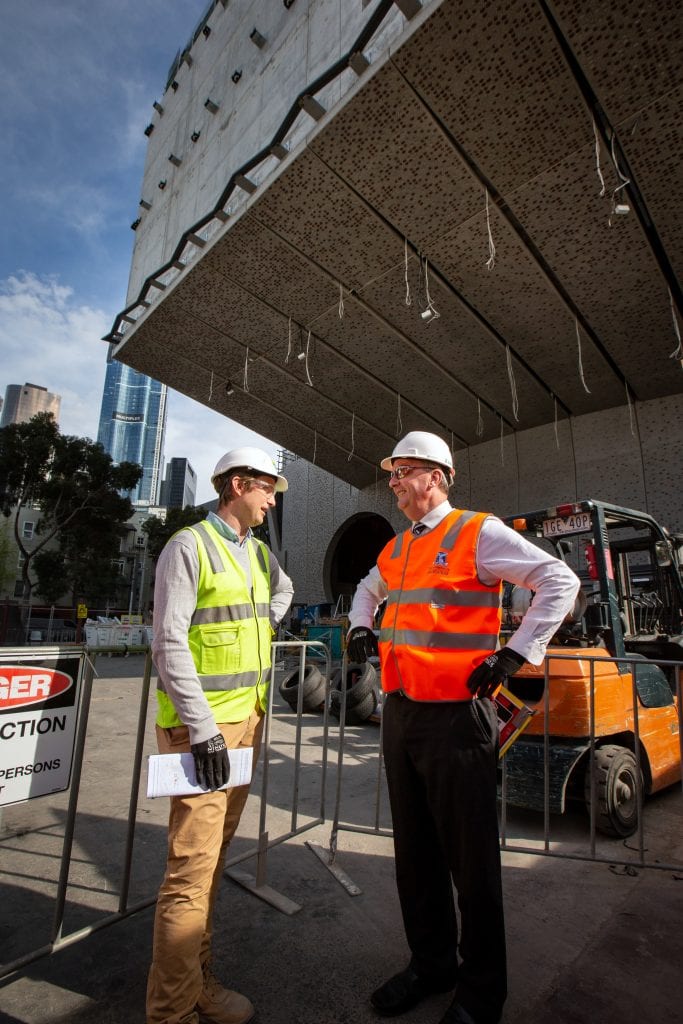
[221, 1005]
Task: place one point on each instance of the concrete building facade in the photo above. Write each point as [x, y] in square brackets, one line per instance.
[23, 401]
[363, 218]
[332, 532]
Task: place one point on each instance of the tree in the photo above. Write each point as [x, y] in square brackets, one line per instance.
[82, 498]
[6, 550]
[161, 530]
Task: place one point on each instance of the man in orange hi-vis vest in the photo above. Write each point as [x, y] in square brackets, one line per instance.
[440, 664]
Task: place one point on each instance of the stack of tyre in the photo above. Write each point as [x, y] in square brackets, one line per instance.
[362, 693]
[312, 684]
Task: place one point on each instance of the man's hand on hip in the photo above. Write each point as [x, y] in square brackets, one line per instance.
[493, 672]
[211, 762]
[361, 644]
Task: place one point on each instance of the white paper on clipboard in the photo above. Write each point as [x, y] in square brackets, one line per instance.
[174, 774]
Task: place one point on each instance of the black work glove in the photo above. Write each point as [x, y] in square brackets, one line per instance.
[493, 672]
[361, 644]
[211, 762]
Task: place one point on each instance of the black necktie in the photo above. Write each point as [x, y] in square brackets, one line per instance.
[419, 528]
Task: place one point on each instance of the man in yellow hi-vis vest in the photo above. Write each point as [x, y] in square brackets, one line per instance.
[219, 594]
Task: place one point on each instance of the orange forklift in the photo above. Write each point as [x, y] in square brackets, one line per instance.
[627, 712]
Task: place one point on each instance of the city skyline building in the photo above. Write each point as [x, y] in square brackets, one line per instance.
[23, 401]
[133, 424]
[180, 484]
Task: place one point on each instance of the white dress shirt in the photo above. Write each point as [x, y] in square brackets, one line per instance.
[502, 554]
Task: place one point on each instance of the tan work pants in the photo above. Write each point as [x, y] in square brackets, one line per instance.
[199, 831]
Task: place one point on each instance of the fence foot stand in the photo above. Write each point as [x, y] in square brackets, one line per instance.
[324, 855]
[264, 892]
[258, 885]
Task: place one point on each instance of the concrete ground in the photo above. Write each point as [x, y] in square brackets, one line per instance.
[588, 942]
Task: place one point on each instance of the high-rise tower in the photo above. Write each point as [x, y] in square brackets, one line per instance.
[22, 401]
[133, 424]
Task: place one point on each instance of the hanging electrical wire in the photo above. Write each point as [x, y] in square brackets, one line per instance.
[399, 422]
[578, 343]
[678, 351]
[513, 383]
[502, 445]
[597, 159]
[480, 420]
[623, 181]
[430, 312]
[315, 445]
[246, 371]
[630, 410]
[341, 302]
[353, 437]
[557, 436]
[491, 261]
[211, 388]
[289, 340]
[405, 270]
[308, 345]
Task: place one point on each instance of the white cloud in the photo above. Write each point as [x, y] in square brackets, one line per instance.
[48, 339]
[202, 436]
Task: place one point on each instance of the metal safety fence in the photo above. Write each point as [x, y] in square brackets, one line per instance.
[648, 714]
[643, 853]
[58, 938]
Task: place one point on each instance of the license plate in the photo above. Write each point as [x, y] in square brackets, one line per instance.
[577, 523]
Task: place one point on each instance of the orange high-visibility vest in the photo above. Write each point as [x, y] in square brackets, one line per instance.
[441, 621]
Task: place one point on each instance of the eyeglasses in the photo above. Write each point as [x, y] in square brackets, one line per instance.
[263, 485]
[400, 471]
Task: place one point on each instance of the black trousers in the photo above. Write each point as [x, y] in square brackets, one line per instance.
[441, 761]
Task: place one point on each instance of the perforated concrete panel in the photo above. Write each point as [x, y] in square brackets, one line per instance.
[434, 251]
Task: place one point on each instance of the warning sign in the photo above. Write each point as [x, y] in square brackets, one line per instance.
[39, 705]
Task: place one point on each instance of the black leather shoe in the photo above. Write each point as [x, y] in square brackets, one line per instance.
[457, 1014]
[405, 990]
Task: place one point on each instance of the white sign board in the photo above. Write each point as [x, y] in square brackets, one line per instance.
[39, 705]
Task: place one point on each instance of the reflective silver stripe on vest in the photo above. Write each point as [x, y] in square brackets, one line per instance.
[451, 535]
[451, 641]
[215, 560]
[397, 546]
[261, 555]
[222, 682]
[228, 613]
[445, 598]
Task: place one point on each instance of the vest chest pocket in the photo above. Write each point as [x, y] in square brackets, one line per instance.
[219, 649]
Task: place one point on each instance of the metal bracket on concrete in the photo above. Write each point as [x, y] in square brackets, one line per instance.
[258, 885]
[264, 892]
[324, 855]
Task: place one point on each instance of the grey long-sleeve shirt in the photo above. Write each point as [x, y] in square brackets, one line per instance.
[175, 599]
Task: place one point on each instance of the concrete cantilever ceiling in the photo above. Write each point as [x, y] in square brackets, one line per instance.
[478, 127]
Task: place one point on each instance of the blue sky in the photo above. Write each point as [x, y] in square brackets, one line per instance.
[77, 80]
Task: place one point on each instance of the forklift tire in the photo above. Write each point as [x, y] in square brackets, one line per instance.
[616, 785]
[313, 686]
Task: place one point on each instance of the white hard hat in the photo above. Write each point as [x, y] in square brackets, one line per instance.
[254, 459]
[419, 444]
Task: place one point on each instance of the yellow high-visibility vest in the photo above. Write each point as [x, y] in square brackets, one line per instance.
[230, 633]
